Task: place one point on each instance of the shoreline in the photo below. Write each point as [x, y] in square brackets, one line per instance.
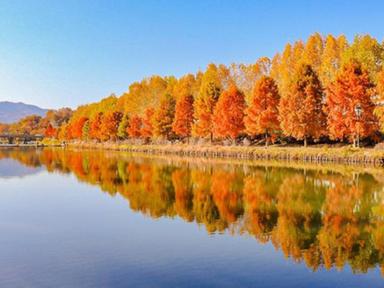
[315, 155]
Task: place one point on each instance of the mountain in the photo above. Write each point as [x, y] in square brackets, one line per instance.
[12, 112]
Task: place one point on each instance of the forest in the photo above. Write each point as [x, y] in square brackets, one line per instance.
[322, 90]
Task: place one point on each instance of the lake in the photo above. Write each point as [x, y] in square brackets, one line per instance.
[75, 218]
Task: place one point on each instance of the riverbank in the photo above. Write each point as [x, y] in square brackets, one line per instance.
[340, 155]
[22, 145]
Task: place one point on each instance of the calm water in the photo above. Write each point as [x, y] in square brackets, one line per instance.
[108, 219]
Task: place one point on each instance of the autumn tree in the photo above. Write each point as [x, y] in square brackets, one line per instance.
[349, 95]
[123, 127]
[331, 58]
[246, 76]
[147, 127]
[262, 115]
[4, 128]
[285, 65]
[95, 126]
[50, 132]
[134, 127]
[77, 127]
[86, 129]
[29, 125]
[205, 102]
[368, 52]
[164, 117]
[313, 51]
[301, 110]
[228, 117]
[63, 132]
[109, 125]
[379, 109]
[182, 123]
[143, 94]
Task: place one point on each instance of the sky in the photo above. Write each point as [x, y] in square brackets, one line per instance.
[58, 53]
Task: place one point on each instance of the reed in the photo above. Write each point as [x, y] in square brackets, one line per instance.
[337, 155]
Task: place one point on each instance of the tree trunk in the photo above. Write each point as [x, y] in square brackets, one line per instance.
[266, 139]
[305, 142]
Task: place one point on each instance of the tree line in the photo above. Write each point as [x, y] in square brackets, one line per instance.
[37, 125]
[324, 89]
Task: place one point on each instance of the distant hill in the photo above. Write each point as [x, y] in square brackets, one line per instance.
[12, 112]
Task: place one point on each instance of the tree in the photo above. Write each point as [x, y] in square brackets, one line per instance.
[262, 116]
[313, 51]
[77, 127]
[123, 126]
[379, 109]
[29, 125]
[64, 132]
[246, 76]
[182, 123]
[301, 112]
[351, 90]
[4, 128]
[368, 52]
[134, 127]
[164, 116]
[50, 132]
[109, 125]
[95, 126]
[331, 58]
[284, 67]
[228, 117]
[86, 129]
[142, 95]
[205, 102]
[147, 127]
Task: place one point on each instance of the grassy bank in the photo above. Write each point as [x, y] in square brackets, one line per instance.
[341, 155]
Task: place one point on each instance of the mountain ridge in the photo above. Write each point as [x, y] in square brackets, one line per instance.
[11, 112]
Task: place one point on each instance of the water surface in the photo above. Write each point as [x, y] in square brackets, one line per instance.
[110, 219]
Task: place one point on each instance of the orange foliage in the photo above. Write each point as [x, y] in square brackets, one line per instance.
[77, 128]
[50, 132]
[301, 111]
[262, 114]
[95, 126]
[352, 88]
[147, 127]
[134, 127]
[229, 113]
[182, 123]
[110, 124]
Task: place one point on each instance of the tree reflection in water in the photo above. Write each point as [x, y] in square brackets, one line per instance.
[326, 218]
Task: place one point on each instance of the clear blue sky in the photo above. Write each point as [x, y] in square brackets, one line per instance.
[66, 53]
